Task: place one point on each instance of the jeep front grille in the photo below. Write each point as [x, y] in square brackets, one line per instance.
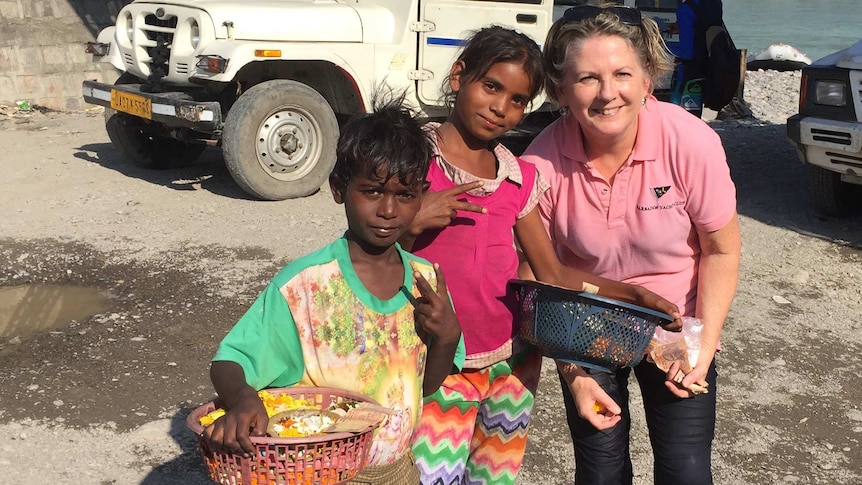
[831, 136]
[160, 37]
[844, 159]
[160, 51]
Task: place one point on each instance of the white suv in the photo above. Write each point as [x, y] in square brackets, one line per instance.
[827, 132]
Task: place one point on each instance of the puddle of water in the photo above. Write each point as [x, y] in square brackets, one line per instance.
[30, 309]
[850, 253]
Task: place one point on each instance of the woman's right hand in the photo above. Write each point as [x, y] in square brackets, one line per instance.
[592, 402]
[231, 432]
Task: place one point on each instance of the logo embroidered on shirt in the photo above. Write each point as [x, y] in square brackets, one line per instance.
[660, 191]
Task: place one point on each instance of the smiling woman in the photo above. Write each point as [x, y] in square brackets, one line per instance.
[645, 214]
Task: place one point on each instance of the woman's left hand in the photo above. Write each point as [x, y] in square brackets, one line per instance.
[682, 389]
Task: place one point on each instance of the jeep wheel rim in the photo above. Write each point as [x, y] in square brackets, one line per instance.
[288, 143]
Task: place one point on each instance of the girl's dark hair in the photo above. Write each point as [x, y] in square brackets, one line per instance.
[389, 142]
[490, 45]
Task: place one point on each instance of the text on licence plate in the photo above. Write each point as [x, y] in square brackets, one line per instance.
[132, 104]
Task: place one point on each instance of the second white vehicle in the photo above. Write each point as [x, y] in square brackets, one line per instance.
[827, 131]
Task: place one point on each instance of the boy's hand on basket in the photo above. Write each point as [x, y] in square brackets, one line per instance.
[434, 313]
[592, 402]
[231, 432]
[648, 299]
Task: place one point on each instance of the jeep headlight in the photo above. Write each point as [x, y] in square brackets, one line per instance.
[830, 93]
[130, 27]
[195, 32]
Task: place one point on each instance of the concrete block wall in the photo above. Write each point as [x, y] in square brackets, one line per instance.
[42, 42]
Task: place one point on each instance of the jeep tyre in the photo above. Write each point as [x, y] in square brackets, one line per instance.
[831, 195]
[279, 140]
[146, 150]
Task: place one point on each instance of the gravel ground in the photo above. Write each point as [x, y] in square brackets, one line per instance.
[178, 255]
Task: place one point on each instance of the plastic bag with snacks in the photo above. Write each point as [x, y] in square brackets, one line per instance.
[665, 348]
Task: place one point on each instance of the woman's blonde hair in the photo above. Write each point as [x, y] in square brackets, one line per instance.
[645, 38]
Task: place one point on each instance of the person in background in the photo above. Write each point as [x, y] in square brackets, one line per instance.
[640, 192]
[691, 52]
[474, 428]
[359, 314]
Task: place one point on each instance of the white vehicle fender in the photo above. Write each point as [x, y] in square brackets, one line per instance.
[107, 36]
[241, 54]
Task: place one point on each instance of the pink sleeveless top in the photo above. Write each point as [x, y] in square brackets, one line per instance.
[477, 255]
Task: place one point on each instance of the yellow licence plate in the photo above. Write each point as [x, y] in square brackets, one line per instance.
[132, 104]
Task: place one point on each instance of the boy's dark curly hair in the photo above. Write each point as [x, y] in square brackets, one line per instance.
[389, 142]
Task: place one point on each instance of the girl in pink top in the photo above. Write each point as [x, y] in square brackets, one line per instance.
[640, 192]
[482, 197]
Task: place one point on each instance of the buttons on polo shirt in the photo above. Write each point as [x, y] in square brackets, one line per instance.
[605, 191]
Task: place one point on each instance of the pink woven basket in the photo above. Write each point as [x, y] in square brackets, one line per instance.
[326, 459]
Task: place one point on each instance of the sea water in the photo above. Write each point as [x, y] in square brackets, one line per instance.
[814, 27]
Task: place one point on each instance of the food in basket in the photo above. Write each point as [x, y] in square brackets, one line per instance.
[334, 456]
[300, 422]
[589, 330]
[295, 417]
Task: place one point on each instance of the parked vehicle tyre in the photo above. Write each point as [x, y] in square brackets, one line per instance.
[142, 148]
[279, 140]
[831, 195]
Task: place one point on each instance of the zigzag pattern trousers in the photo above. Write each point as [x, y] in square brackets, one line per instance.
[473, 430]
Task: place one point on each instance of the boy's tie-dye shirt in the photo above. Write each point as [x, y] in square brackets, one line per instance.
[317, 325]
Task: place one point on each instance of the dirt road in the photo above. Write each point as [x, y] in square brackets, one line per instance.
[173, 258]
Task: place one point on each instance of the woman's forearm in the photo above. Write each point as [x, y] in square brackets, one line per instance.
[717, 281]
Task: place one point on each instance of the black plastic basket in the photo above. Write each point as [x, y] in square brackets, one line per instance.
[588, 330]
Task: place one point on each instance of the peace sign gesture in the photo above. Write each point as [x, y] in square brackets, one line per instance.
[434, 314]
[440, 208]
[438, 327]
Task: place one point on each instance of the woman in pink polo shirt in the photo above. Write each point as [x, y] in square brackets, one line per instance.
[640, 193]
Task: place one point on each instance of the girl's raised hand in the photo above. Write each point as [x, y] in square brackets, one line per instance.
[440, 208]
[434, 313]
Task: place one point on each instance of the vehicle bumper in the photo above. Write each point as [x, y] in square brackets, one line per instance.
[173, 109]
[833, 145]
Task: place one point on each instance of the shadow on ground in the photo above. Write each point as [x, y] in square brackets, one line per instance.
[773, 186]
[207, 172]
[188, 468]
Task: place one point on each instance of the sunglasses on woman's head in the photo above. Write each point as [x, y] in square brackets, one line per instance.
[627, 15]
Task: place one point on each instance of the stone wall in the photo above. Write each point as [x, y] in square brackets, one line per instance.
[42, 58]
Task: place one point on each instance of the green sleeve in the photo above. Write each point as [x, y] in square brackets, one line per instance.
[460, 354]
[265, 343]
